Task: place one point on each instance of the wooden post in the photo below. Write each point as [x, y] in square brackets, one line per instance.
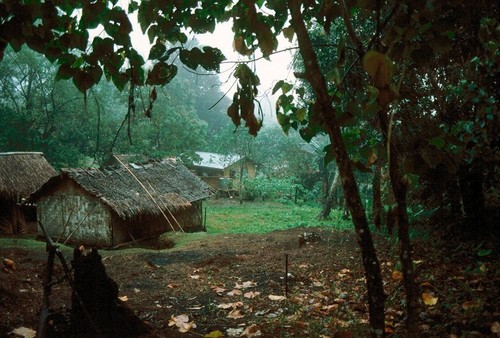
[205, 220]
[286, 275]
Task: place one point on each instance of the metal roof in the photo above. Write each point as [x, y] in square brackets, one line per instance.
[216, 161]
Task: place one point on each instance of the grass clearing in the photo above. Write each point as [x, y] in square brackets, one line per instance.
[25, 241]
[229, 216]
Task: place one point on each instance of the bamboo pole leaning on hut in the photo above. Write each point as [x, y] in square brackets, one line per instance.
[166, 207]
[79, 224]
[151, 196]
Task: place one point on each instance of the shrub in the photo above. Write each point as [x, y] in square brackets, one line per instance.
[269, 189]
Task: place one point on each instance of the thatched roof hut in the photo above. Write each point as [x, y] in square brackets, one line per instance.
[21, 173]
[114, 204]
[140, 188]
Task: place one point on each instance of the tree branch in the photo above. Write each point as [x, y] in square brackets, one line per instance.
[383, 25]
[98, 136]
[350, 30]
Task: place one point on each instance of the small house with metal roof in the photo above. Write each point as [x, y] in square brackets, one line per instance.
[223, 172]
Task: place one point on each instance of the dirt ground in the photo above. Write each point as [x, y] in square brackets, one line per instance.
[235, 285]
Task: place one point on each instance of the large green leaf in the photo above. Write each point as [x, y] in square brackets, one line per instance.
[157, 51]
[84, 79]
[161, 74]
[191, 58]
[212, 58]
[93, 14]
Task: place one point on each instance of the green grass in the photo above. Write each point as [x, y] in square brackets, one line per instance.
[250, 217]
[26, 242]
[29, 242]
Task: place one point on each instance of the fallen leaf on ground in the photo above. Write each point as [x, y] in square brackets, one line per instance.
[218, 289]
[251, 294]
[426, 284]
[397, 275]
[275, 314]
[197, 307]
[172, 286]
[262, 312]
[123, 298]
[24, 332]
[194, 276]
[274, 297]
[230, 305]
[235, 292]
[214, 334]
[495, 327]
[251, 331]
[235, 314]
[9, 264]
[429, 299]
[245, 285]
[234, 332]
[469, 305]
[182, 322]
[341, 323]
[329, 308]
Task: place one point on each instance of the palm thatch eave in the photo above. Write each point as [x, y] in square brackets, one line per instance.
[21, 173]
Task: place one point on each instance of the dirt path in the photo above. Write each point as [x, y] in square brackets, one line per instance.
[235, 284]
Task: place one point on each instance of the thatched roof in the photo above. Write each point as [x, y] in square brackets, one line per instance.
[118, 159]
[21, 173]
[148, 187]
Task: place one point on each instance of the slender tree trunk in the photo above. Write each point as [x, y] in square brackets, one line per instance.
[240, 183]
[453, 196]
[471, 191]
[399, 187]
[330, 196]
[326, 113]
[377, 195]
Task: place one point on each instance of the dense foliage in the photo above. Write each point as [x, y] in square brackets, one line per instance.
[40, 113]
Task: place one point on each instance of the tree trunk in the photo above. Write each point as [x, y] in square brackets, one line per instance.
[330, 197]
[326, 114]
[453, 196]
[377, 195]
[399, 187]
[471, 191]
